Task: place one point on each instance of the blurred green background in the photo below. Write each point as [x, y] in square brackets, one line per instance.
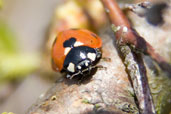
[24, 26]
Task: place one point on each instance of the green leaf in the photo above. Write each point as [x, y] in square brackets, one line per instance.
[16, 66]
[7, 39]
[1, 3]
[7, 113]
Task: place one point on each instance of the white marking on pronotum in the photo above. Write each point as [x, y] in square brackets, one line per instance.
[71, 67]
[91, 56]
[82, 55]
[67, 50]
[78, 44]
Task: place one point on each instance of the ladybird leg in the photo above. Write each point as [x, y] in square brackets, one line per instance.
[107, 59]
[71, 76]
[89, 70]
[101, 67]
[81, 72]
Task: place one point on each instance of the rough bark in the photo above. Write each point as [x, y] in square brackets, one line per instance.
[133, 61]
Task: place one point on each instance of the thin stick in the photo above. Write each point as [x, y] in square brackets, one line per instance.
[133, 61]
[131, 36]
[136, 70]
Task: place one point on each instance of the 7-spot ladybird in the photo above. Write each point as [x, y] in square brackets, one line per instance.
[76, 51]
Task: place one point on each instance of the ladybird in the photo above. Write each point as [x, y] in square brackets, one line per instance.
[76, 52]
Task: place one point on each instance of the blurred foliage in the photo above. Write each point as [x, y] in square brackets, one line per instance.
[13, 64]
[161, 92]
[1, 3]
[7, 39]
[8, 113]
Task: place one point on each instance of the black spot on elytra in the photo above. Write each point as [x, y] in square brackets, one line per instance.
[70, 42]
[94, 35]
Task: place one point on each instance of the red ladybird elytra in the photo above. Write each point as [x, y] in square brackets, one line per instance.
[76, 51]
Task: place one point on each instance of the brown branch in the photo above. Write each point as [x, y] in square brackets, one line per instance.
[137, 72]
[133, 61]
[131, 36]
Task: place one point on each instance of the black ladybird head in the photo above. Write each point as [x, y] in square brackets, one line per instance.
[84, 67]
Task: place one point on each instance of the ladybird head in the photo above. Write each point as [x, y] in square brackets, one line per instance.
[84, 67]
[80, 60]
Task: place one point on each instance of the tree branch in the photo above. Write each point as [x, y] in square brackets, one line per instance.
[133, 61]
[130, 36]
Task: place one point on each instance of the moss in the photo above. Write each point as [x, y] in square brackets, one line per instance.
[86, 101]
[97, 106]
[126, 107]
[115, 28]
[161, 92]
[1, 3]
[8, 113]
[13, 64]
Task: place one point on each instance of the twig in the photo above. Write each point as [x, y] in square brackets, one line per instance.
[131, 36]
[133, 61]
[137, 72]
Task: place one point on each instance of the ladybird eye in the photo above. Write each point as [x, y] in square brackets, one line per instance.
[70, 42]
